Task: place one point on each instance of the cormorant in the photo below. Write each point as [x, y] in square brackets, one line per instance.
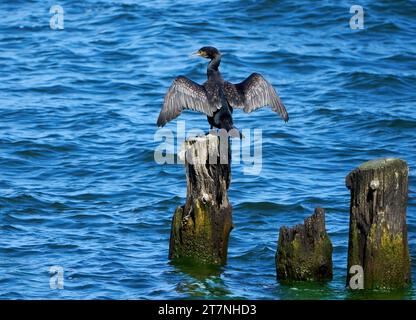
[216, 97]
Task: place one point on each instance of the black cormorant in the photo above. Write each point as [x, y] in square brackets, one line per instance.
[216, 97]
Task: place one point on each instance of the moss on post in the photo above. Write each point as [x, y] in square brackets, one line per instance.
[378, 231]
[305, 251]
[201, 228]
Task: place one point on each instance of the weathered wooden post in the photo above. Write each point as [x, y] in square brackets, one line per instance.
[378, 230]
[201, 228]
[304, 252]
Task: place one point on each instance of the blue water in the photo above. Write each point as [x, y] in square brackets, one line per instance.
[79, 187]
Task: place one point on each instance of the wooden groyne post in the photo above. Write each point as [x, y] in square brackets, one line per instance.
[200, 229]
[378, 231]
[304, 252]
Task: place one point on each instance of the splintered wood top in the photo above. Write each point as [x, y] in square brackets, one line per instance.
[381, 163]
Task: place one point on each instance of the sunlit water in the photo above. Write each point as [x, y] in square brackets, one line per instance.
[79, 187]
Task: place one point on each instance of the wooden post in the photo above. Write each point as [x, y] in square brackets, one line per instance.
[378, 230]
[304, 252]
[201, 228]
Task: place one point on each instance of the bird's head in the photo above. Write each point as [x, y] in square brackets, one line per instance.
[208, 52]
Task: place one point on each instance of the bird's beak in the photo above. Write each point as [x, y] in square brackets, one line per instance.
[196, 54]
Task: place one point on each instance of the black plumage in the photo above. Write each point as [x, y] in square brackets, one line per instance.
[216, 97]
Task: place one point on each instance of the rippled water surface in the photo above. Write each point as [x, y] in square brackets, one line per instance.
[79, 187]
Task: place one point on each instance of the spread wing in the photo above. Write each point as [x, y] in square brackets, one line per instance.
[253, 93]
[184, 94]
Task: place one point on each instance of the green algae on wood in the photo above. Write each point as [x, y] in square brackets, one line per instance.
[304, 252]
[378, 230]
[200, 229]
